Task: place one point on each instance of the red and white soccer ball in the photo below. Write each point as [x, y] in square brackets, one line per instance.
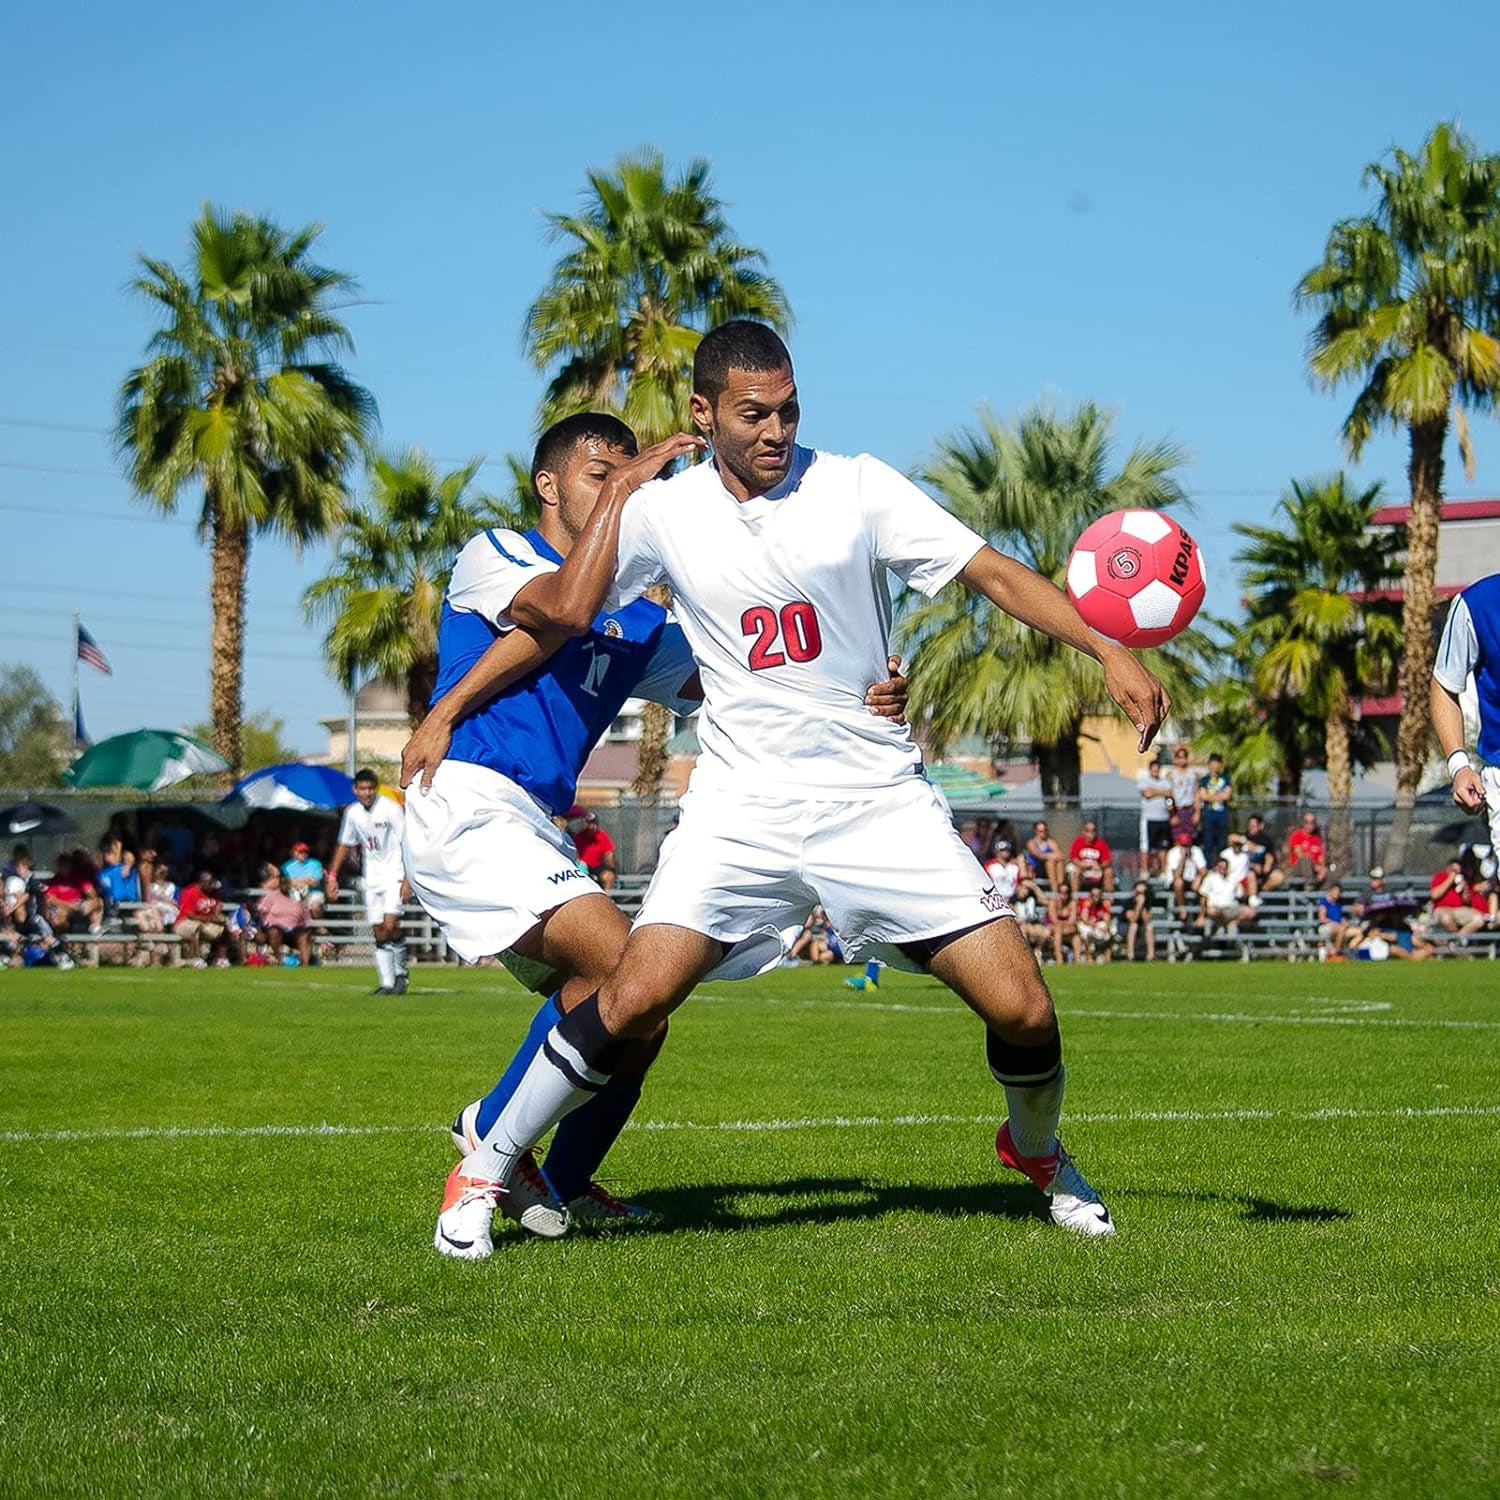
[1136, 576]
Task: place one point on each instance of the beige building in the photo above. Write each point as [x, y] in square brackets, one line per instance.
[380, 726]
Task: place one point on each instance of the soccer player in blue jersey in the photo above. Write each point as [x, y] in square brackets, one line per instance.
[515, 715]
[1471, 644]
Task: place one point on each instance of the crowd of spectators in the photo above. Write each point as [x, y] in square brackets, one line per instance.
[177, 887]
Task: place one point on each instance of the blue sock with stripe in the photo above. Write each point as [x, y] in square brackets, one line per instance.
[498, 1097]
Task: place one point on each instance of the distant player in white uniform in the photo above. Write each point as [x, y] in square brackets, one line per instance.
[778, 557]
[1470, 647]
[373, 825]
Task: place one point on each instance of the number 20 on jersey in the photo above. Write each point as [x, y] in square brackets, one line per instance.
[790, 634]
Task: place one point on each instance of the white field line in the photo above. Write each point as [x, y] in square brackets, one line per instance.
[1237, 1018]
[742, 1127]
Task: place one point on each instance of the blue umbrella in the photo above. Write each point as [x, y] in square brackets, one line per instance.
[294, 786]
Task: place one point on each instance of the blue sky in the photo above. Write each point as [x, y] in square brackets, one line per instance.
[971, 203]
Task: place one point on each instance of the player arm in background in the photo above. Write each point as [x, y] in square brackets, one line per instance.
[506, 660]
[348, 840]
[1031, 599]
[566, 599]
[1457, 655]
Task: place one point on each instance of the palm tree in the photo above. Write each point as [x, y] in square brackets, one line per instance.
[1029, 490]
[240, 395]
[650, 264]
[1322, 635]
[383, 596]
[1407, 296]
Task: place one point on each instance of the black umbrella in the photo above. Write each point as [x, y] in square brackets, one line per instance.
[32, 818]
[1464, 831]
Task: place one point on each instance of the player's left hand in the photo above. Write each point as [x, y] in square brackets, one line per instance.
[425, 750]
[1137, 691]
[1468, 790]
[887, 699]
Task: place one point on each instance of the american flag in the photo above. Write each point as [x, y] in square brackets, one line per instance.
[88, 651]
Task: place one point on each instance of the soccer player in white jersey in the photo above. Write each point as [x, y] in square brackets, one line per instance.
[778, 557]
[513, 721]
[373, 825]
[1471, 646]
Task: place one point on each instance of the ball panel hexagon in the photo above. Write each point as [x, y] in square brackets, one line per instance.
[1082, 574]
[1148, 525]
[1155, 606]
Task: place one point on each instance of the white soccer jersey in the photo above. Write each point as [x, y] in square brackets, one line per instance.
[376, 832]
[785, 602]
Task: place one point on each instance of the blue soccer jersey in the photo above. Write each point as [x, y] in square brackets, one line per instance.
[1471, 643]
[540, 730]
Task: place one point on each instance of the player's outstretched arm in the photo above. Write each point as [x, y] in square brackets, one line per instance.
[568, 598]
[1448, 722]
[1029, 598]
[506, 660]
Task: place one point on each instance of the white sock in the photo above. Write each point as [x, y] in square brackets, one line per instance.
[556, 1083]
[385, 966]
[398, 957]
[1034, 1113]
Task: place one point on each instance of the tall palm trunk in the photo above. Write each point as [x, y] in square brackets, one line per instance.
[229, 551]
[1414, 735]
[420, 682]
[1340, 771]
[656, 730]
[1061, 765]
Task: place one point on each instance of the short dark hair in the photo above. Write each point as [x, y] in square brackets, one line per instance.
[366, 775]
[556, 444]
[740, 345]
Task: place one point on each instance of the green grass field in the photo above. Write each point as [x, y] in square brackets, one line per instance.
[203, 1292]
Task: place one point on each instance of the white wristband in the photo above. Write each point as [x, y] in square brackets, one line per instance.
[1458, 761]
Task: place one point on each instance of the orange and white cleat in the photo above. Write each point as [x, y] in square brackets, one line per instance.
[598, 1208]
[463, 1226]
[1073, 1203]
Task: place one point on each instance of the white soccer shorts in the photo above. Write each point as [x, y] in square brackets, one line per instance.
[485, 859]
[888, 868]
[382, 893]
[1490, 779]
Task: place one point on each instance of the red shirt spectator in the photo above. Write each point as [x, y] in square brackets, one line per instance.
[595, 847]
[1306, 843]
[1091, 859]
[196, 903]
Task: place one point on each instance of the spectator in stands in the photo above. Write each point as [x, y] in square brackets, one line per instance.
[201, 921]
[119, 879]
[1334, 928]
[1096, 927]
[812, 945]
[27, 907]
[1005, 868]
[1242, 868]
[595, 848]
[1183, 780]
[1219, 908]
[283, 918]
[1458, 905]
[1386, 927]
[1139, 918]
[18, 853]
[1045, 856]
[1186, 865]
[1030, 902]
[1268, 875]
[1214, 794]
[303, 875]
[73, 902]
[1305, 856]
[1090, 861]
[1156, 813]
[1062, 921]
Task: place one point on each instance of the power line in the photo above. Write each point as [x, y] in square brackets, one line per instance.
[26, 635]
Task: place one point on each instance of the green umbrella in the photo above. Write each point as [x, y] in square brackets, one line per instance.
[146, 759]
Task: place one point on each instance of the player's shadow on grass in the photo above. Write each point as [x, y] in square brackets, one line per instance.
[832, 1200]
[828, 1200]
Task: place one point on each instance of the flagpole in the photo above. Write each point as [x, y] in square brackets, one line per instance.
[77, 621]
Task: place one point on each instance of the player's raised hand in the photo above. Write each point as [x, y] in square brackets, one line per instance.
[1137, 691]
[887, 700]
[648, 463]
[425, 750]
[1468, 790]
